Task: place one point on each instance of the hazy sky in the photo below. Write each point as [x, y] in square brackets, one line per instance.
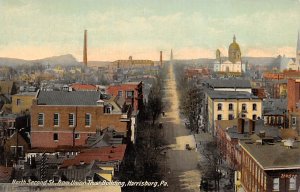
[32, 29]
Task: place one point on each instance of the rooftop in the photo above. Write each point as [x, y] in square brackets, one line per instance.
[275, 155]
[68, 98]
[103, 154]
[26, 94]
[230, 95]
[228, 83]
[84, 87]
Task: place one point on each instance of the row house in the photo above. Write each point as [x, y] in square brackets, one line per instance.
[294, 104]
[270, 166]
[62, 119]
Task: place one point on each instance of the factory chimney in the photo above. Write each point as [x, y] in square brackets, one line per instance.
[85, 48]
[161, 60]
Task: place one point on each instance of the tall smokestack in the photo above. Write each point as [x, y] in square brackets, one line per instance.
[171, 57]
[161, 61]
[85, 48]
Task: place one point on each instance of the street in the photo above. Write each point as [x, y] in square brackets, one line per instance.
[182, 172]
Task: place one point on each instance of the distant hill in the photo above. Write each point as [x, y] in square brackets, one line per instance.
[64, 60]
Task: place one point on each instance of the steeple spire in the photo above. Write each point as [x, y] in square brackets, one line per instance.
[234, 39]
[298, 43]
[171, 57]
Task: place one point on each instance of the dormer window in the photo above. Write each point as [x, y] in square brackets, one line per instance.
[108, 108]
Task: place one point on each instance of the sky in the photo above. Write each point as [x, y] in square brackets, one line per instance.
[117, 29]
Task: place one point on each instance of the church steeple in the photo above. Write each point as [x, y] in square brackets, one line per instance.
[171, 56]
[298, 43]
[234, 39]
[298, 50]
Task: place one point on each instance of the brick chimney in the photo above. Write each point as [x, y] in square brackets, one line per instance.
[251, 126]
[161, 60]
[241, 125]
[85, 48]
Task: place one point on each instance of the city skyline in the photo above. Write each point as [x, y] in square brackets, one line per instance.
[35, 29]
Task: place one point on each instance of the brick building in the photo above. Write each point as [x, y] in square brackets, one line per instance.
[66, 119]
[293, 94]
[270, 166]
[132, 92]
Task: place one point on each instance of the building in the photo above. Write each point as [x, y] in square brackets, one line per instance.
[275, 112]
[234, 63]
[228, 105]
[293, 94]
[228, 85]
[65, 119]
[8, 87]
[83, 87]
[131, 92]
[130, 63]
[21, 102]
[269, 165]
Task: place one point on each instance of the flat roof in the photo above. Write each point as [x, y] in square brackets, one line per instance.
[230, 95]
[274, 156]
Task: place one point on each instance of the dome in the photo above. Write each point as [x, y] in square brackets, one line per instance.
[234, 51]
[234, 46]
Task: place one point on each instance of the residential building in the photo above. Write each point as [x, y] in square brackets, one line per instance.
[21, 102]
[8, 87]
[275, 112]
[131, 92]
[68, 118]
[270, 166]
[228, 105]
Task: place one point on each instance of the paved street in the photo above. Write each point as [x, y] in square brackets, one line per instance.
[181, 164]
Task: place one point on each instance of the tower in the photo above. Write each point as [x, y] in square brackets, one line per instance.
[160, 59]
[85, 48]
[171, 56]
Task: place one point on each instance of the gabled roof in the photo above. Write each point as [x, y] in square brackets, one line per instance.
[68, 97]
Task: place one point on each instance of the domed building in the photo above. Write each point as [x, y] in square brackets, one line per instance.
[234, 63]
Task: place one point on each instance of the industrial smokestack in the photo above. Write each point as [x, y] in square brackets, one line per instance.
[85, 48]
[161, 58]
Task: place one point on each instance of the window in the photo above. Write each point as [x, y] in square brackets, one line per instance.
[41, 119]
[56, 119]
[292, 185]
[77, 136]
[219, 117]
[129, 94]
[244, 107]
[88, 118]
[120, 93]
[13, 151]
[294, 120]
[71, 119]
[107, 110]
[55, 136]
[243, 115]
[219, 106]
[276, 184]
[254, 107]
[18, 101]
[230, 117]
[230, 107]
[254, 117]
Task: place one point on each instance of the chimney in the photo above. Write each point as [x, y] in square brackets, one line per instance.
[161, 60]
[85, 48]
[241, 125]
[251, 126]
